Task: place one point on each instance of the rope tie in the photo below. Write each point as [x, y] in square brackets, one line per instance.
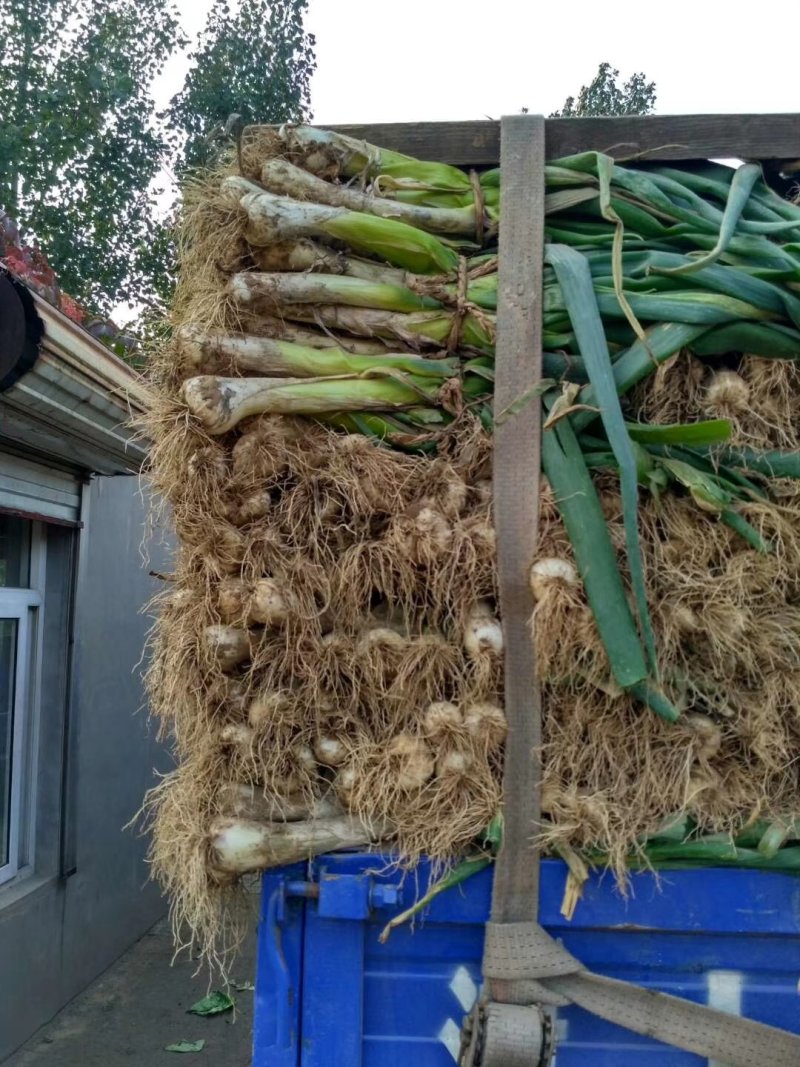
[461, 306]
[438, 288]
[480, 206]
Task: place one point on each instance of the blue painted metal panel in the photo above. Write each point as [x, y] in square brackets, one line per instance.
[276, 1026]
[723, 937]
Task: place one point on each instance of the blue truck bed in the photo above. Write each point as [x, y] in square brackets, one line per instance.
[329, 994]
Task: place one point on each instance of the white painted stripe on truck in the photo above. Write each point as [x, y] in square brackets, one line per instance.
[450, 1037]
[724, 994]
[463, 988]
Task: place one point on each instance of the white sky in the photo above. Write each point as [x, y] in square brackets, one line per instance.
[462, 59]
[445, 60]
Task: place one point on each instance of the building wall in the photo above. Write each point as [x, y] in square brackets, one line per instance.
[88, 898]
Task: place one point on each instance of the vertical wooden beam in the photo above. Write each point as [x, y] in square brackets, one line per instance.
[517, 463]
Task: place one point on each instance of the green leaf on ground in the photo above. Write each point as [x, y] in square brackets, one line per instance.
[186, 1046]
[214, 1004]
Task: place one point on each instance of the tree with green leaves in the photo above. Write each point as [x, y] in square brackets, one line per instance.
[606, 95]
[252, 64]
[79, 146]
[255, 61]
[85, 158]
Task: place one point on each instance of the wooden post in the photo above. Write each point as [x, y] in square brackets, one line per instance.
[517, 463]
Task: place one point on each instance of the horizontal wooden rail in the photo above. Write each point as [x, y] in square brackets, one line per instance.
[672, 137]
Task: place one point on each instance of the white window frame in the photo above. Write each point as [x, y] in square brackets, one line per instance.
[25, 607]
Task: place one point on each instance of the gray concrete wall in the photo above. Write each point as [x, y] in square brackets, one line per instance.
[89, 898]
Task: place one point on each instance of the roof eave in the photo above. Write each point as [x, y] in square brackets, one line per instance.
[77, 402]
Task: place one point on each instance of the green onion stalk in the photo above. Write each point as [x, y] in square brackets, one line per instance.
[679, 844]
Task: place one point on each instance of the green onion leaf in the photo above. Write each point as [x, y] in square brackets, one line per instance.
[575, 280]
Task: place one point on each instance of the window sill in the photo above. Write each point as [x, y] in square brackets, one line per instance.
[21, 886]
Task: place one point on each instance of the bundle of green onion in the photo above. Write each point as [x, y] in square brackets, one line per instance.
[678, 844]
[391, 261]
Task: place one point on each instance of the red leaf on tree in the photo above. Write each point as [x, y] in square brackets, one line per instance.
[29, 264]
[71, 308]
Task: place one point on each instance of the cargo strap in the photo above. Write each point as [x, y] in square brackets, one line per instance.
[534, 967]
[510, 1035]
[529, 973]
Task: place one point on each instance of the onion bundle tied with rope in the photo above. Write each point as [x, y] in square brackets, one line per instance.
[323, 436]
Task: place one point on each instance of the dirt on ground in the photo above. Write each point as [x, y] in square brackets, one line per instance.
[128, 1016]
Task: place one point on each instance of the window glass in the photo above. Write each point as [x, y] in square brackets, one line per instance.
[8, 656]
[15, 552]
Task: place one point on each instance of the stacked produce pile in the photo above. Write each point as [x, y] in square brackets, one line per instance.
[330, 649]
